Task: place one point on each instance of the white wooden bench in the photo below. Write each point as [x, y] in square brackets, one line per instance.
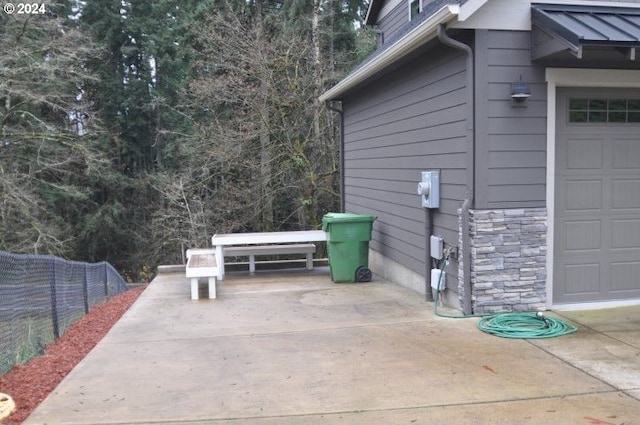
[296, 240]
[202, 263]
[253, 250]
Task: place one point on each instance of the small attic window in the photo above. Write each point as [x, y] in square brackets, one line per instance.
[415, 7]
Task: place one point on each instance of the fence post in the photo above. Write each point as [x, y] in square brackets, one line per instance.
[54, 301]
[106, 279]
[85, 289]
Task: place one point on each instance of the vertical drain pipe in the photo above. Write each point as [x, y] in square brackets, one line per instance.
[471, 171]
[341, 152]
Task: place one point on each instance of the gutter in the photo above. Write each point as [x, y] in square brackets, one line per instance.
[469, 200]
[416, 38]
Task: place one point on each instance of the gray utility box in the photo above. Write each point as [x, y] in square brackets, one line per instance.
[429, 189]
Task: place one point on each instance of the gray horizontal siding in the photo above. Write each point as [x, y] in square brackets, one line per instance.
[510, 141]
[410, 120]
[394, 20]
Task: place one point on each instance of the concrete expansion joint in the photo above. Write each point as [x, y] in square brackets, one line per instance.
[614, 388]
[607, 334]
[297, 331]
[391, 409]
[630, 393]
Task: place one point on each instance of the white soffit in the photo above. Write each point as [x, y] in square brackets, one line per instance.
[512, 15]
[469, 8]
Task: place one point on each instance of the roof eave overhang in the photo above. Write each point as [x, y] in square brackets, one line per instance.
[422, 33]
[599, 31]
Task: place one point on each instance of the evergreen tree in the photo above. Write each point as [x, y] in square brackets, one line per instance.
[262, 135]
[208, 116]
[49, 150]
[138, 95]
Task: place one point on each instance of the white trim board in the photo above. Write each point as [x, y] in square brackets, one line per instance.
[573, 77]
[595, 305]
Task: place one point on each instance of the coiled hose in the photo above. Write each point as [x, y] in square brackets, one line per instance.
[7, 406]
[525, 326]
[509, 325]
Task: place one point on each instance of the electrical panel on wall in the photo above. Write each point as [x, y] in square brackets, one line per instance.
[429, 189]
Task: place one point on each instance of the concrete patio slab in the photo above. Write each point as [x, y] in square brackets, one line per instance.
[294, 348]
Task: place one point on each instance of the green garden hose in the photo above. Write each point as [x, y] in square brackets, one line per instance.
[524, 326]
[510, 325]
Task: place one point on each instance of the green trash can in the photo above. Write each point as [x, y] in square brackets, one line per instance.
[348, 246]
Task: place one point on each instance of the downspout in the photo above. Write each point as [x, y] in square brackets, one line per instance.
[469, 200]
[341, 152]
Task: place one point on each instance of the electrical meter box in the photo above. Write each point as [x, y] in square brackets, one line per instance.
[429, 189]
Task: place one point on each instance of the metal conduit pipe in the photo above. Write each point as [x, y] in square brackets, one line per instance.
[428, 230]
[471, 171]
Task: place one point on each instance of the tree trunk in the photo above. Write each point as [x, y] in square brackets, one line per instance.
[266, 195]
[317, 66]
[309, 189]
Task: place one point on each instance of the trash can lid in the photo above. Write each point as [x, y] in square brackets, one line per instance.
[346, 218]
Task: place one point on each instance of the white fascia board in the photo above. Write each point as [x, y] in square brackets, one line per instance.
[424, 32]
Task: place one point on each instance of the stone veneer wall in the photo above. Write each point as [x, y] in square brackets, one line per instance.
[508, 260]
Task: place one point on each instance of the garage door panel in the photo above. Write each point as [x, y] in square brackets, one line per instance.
[626, 154]
[583, 235]
[583, 195]
[625, 234]
[626, 194]
[625, 276]
[582, 279]
[584, 154]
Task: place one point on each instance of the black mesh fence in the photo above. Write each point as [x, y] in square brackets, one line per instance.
[41, 296]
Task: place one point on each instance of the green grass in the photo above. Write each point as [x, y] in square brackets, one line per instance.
[34, 333]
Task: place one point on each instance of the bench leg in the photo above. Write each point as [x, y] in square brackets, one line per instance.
[212, 287]
[252, 264]
[194, 288]
[309, 261]
[220, 261]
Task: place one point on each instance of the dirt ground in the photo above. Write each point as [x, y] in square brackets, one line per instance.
[30, 383]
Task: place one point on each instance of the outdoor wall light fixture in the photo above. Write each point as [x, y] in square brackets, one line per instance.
[520, 91]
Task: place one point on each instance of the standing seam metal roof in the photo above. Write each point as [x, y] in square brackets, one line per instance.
[590, 25]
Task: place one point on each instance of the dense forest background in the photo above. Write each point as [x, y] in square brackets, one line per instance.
[132, 130]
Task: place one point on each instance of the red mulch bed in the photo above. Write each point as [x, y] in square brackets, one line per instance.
[30, 383]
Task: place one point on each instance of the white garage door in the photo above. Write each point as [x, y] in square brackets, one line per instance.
[597, 202]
